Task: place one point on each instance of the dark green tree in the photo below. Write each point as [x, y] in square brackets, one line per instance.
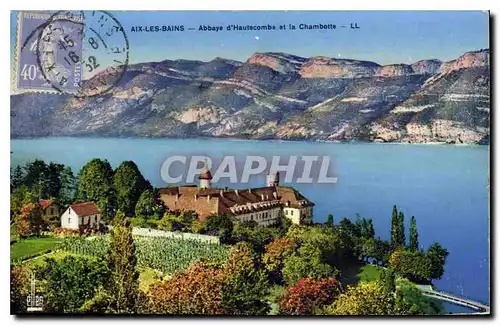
[437, 255]
[371, 229]
[123, 284]
[129, 185]
[67, 191]
[389, 280]
[53, 181]
[401, 238]
[36, 175]
[329, 221]
[382, 251]
[220, 224]
[149, 206]
[95, 181]
[284, 224]
[413, 234]
[16, 177]
[394, 227]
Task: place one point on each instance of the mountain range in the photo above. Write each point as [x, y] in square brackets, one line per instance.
[276, 96]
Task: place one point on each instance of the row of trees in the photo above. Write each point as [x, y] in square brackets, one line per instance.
[398, 238]
[410, 261]
[44, 181]
[120, 189]
[407, 260]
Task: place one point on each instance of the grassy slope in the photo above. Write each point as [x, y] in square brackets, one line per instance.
[31, 247]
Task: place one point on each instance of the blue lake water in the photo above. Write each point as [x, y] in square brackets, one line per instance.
[444, 187]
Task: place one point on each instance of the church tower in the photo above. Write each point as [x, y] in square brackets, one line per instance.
[205, 177]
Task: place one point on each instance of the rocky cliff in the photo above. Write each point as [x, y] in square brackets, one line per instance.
[277, 95]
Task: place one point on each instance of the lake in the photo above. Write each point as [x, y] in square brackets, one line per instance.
[444, 186]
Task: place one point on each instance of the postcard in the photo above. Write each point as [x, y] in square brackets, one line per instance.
[250, 163]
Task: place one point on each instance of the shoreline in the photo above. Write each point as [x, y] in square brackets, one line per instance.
[239, 139]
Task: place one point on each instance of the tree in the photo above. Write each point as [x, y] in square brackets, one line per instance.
[348, 236]
[306, 263]
[19, 281]
[19, 198]
[364, 227]
[284, 224]
[382, 251]
[129, 184]
[413, 234]
[95, 181]
[308, 295]
[329, 221]
[368, 248]
[35, 177]
[388, 280]
[29, 221]
[68, 186]
[367, 298]
[195, 291]
[70, 281]
[371, 229]
[437, 255]
[327, 240]
[122, 264]
[220, 224]
[52, 181]
[198, 226]
[240, 259]
[149, 206]
[401, 238]
[170, 222]
[394, 227]
[245, 287]
[414, 265]
[16, 177]
[275, 254]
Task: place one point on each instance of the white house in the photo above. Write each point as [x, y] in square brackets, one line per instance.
[81, 215]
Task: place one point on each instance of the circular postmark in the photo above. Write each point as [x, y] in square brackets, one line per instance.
[83, 55]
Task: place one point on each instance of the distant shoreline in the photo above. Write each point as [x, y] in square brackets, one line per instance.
[430, 143]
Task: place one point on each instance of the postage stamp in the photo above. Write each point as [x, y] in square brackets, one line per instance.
[70, 52]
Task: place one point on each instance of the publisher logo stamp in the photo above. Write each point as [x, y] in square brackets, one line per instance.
[34, 301]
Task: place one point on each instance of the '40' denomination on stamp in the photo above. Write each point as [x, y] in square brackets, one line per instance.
[80, 53]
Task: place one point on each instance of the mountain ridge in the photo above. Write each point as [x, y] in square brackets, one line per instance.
[276, 95]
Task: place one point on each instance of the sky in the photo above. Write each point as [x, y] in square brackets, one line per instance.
[384, 37]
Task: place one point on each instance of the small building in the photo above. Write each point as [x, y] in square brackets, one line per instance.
[51, 210]
[81, 216]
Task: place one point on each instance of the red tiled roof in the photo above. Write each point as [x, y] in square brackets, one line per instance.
[45, 203]
[291, 195]
[216, 200]
[85, 209]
